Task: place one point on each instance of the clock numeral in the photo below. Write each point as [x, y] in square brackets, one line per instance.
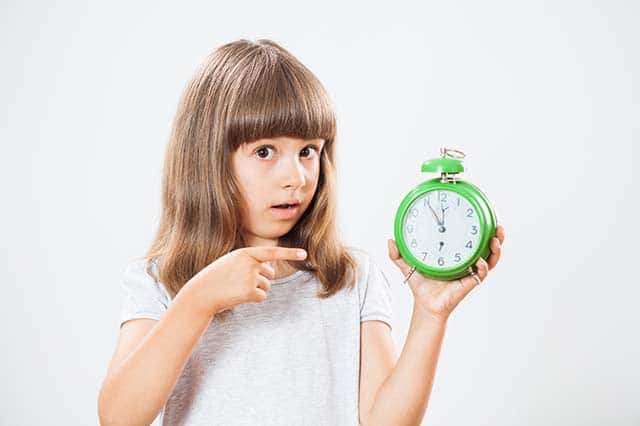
[443, 197]
[414, 243]
[409, 229]
[474, 230]
[458, 201]
[425, 255]
[457, 257]
[414, 212]
[469, 212]
[469, 245]
[441, 261]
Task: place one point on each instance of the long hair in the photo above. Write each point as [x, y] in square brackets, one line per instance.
[244, 91]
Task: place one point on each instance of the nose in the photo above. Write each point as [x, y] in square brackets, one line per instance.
[294, 174]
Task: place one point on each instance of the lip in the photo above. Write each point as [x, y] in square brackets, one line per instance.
[285, 213]
[292, 201]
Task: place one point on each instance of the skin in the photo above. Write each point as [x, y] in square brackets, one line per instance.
[270, 171]
[396, 390]
[133, 393]
[439, 298]
[392, 390]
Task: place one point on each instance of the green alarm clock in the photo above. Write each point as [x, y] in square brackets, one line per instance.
[444, 225]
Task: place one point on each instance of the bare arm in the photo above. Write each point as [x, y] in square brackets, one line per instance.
[149, 358]
[403, 397]
[142, 375]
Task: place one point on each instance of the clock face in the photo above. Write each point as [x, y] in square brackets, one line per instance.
[441, 229]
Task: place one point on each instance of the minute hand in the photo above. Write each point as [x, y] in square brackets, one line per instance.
[434, 213]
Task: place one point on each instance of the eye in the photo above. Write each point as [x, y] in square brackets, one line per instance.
[307, 152]
[263, 150]
[313, 148]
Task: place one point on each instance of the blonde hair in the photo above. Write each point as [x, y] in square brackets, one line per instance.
[244, 91]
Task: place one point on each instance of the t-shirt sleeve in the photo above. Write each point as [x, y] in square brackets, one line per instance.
[376, 295]
[143, 297]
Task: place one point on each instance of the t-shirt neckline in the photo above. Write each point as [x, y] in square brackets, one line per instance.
[288, 278]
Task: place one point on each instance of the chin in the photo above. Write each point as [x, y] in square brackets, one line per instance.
[273, 230]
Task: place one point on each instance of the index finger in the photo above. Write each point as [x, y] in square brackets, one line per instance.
[263, 254]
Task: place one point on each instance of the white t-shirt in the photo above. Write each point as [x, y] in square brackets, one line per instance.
[291, 360]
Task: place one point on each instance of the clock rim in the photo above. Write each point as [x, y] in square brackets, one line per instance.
[486, 215]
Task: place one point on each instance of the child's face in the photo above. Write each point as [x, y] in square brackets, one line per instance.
[271, 172]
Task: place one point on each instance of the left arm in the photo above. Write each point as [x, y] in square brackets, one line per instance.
[403, 396]
[398, 394]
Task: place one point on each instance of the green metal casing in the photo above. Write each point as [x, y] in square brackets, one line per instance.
[486, 216]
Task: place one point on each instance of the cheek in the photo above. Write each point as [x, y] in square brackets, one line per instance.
[255, 194]
[314, 174]
[251, 197]
[313, 169]
[246, 180]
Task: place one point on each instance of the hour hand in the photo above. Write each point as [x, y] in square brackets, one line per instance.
[443, 209]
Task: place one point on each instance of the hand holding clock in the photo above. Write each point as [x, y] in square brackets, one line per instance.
[438, 298]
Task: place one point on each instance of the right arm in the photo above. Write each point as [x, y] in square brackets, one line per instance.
[148, 360]
[151, 355]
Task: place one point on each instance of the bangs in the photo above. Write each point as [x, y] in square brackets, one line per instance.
[276, 97]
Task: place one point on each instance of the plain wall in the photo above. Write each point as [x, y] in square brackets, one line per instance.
[543, 97]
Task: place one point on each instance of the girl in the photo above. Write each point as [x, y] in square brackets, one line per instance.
[248, 309]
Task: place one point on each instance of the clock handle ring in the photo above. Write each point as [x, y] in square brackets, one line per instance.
[409, 275]
[474, 275]
[452, 153]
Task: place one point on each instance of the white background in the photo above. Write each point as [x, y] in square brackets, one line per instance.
[543, 97]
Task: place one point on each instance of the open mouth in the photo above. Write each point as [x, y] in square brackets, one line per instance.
[285, 210]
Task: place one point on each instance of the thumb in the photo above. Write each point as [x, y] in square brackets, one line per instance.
[395, 257]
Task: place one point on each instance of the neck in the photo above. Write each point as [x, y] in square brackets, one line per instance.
[282, 268]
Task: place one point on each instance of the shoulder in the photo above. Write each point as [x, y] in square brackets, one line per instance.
[366, 265]
[140, 276]
[361, 257]
[374, 289]
[140, 269]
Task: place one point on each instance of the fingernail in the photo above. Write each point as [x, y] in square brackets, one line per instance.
[302, 254]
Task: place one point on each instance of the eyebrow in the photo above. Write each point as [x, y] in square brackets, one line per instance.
[320, 142]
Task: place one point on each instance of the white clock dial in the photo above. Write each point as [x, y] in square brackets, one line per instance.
[441, 229]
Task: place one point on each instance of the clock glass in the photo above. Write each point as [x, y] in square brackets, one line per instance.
[441, 229]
